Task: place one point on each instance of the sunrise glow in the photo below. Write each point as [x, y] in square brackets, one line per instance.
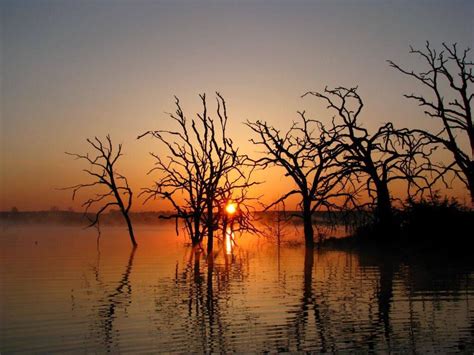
[227, 175]
[231, 208]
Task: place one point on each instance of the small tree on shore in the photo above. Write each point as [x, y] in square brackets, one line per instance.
[102, 170]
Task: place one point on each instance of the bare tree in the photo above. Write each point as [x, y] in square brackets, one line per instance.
[376, 159]
[202, 171]
[449, 77]
[308, 153]
[102, 170]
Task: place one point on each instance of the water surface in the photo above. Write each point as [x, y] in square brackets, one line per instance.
[60, 292]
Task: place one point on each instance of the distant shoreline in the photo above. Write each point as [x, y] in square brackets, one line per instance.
[115, 218]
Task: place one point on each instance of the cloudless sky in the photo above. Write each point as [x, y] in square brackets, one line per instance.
[76, 69]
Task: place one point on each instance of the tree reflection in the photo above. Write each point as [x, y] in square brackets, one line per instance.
[310, 307]
[119, 297]
[204, 286]
[427, 280]
[321, 314]
[386, 268]
[384, 297]
[332, 301]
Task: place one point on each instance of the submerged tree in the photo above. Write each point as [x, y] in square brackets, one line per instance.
[376, 159]
[308, 153]
[202, 171]
[102, 170]
[449, 78]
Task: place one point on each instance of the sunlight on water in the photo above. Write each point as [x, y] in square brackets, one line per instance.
[59, 292]
[229, 238]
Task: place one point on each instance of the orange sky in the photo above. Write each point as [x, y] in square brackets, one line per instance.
[73, 70]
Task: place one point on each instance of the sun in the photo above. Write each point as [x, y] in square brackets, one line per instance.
[231, 208]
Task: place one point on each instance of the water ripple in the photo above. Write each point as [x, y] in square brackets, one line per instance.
[166, 297]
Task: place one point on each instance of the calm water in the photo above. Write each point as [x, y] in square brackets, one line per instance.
[60, 293]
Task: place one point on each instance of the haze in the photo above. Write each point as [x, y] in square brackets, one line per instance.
[72, 70]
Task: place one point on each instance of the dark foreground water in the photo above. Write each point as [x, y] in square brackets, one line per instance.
[60, 293]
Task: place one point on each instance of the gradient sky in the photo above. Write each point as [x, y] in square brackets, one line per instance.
[76, 69]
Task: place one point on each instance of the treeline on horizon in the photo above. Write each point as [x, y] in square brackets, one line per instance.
[115, 218]
[336, 165]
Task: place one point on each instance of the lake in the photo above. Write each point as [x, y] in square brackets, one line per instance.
[61, 291]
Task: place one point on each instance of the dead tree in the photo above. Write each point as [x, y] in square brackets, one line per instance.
[202, 166]
[376, 159]
[448, 77]
[308, 153]
[102, 170]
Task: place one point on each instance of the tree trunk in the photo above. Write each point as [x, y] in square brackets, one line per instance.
[384, 214]
[308, 225]
[124, 213]
[470, 182]
[210, 240]
[130, 228]
[210, 229]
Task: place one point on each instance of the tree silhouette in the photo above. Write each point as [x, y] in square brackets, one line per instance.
[449, 79]
[202, 171]
[102, 170]
[308, 153]
[376, 159]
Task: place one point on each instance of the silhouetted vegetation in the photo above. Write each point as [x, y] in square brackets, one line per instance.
[104, 175]
[439, 222]
[341, 172]
[202, 172]
[427, 225]
[376, 160]
[308, 153]
[448, 77]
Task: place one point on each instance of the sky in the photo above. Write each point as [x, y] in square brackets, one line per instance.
[77, 69]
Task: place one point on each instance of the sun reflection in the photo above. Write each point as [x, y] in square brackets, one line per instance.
[229, 236]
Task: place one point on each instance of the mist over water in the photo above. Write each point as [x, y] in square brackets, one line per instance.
[63, 291]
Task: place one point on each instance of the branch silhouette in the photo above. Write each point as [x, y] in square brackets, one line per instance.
[102, 170]
[202, 171]
[380, 158]
[449, 78]
[308, 152]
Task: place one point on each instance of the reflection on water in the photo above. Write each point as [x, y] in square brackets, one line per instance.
[120, 297]
[229, 240]
[62, 294]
